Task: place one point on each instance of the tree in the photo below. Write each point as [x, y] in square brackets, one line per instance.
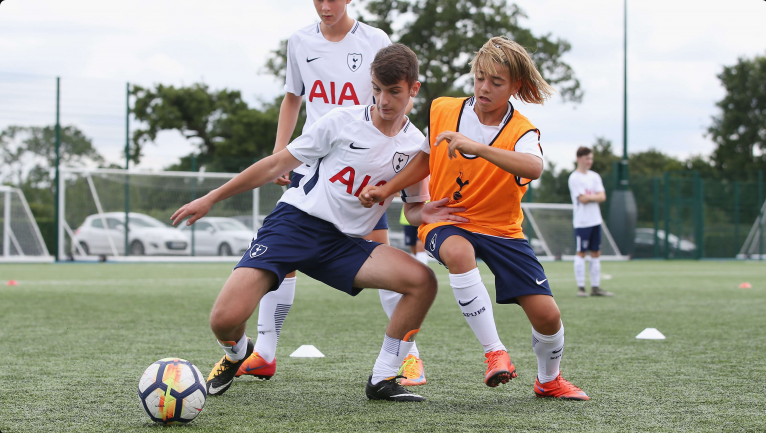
[739, 132]
[231, 134]
[28, 155]
[445, 34]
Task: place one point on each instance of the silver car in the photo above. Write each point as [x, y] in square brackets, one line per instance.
[218, 236]
[104, 234]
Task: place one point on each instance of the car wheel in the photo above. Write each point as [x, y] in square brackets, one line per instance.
[136, 248]
[84, 248]
[224, 250]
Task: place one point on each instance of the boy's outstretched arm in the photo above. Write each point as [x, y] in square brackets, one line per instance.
[413, 173]
[258, 174]
[517, 163]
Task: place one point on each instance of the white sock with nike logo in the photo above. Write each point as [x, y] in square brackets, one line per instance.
[389, 300]
[595, 271]
[579, 270]
[476, 305]
[272, 311]
[549, 349]
[390, 358]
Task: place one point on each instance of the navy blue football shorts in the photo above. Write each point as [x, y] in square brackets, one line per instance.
[382, 223]
[291, 239]
[410, 235]
[588, 238]
[512, 261]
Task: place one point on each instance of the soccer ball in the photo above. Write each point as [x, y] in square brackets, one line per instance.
[172, 391]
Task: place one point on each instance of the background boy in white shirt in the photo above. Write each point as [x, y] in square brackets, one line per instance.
[587, 191]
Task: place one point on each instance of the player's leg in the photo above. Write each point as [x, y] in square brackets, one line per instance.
[412, 367]
[417, 286]
[235, 304]
[451, 247]
[548, 345]
[581, 243]
[272, 312]
[595, 263]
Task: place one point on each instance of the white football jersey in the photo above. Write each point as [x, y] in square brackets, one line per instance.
[585, 214]
[350, 153]
[331, 74]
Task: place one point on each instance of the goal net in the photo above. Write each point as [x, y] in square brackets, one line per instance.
[95, 204]
[20, 238]
[548, 228]
[755, 243]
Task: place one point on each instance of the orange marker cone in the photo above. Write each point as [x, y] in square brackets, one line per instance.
[12, 283]
[745, 285]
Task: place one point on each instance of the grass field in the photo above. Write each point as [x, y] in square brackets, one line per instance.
[74, 340]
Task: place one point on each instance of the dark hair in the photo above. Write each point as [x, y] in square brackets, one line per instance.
[583, 151]
[394, 63]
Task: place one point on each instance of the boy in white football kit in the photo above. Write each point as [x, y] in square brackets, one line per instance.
[317, 227]
[328, 63]
[587, 192]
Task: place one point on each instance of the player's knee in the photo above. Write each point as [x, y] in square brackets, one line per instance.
[222, 323]
[595, 254]
[458, 256]
[550, 319]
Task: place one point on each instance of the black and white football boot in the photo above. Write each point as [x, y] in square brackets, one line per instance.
[223, 373]
[389, 389]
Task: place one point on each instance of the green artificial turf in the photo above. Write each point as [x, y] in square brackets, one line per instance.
[75, 338]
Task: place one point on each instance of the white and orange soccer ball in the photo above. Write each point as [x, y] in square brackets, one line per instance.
[172, 391]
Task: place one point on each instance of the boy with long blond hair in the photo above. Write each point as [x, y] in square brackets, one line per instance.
[481, 153]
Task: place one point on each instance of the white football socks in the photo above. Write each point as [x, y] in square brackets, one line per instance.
[389, 300]
[579, 270]
[390, 358]
[476, 305]
[549, 349]
[595, 271]
[237, 351]
[272, 311]
[422, 257]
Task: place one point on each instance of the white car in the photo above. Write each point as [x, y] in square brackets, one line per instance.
[146, 236]
[218, 236]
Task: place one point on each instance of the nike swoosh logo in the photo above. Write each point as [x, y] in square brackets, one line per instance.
[463, 305]
[557, 351]
[540, 282]
[354, 147]
[261, 366]
[311, 60]
[214, 390]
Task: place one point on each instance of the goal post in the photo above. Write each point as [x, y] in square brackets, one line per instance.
[93, 216]
[21, 240]
[549, 230]
[754, 246]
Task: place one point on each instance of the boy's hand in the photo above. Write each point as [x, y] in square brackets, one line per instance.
[437, 211]
[284, 180]
[458, 142]
[371, 195]
[197, 209]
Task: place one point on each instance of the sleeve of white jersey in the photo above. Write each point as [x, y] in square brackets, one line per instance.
[426, 146]
[417, 193]
[530, 143]
[293, 79]
[317, 141]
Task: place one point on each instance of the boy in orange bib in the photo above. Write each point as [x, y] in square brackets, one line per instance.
[481, 153]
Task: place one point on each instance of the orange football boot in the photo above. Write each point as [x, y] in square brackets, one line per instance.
[559, 388]
[413, 372]
[500, 369]
[258, 367]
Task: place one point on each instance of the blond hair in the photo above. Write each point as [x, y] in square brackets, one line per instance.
[500, 50]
